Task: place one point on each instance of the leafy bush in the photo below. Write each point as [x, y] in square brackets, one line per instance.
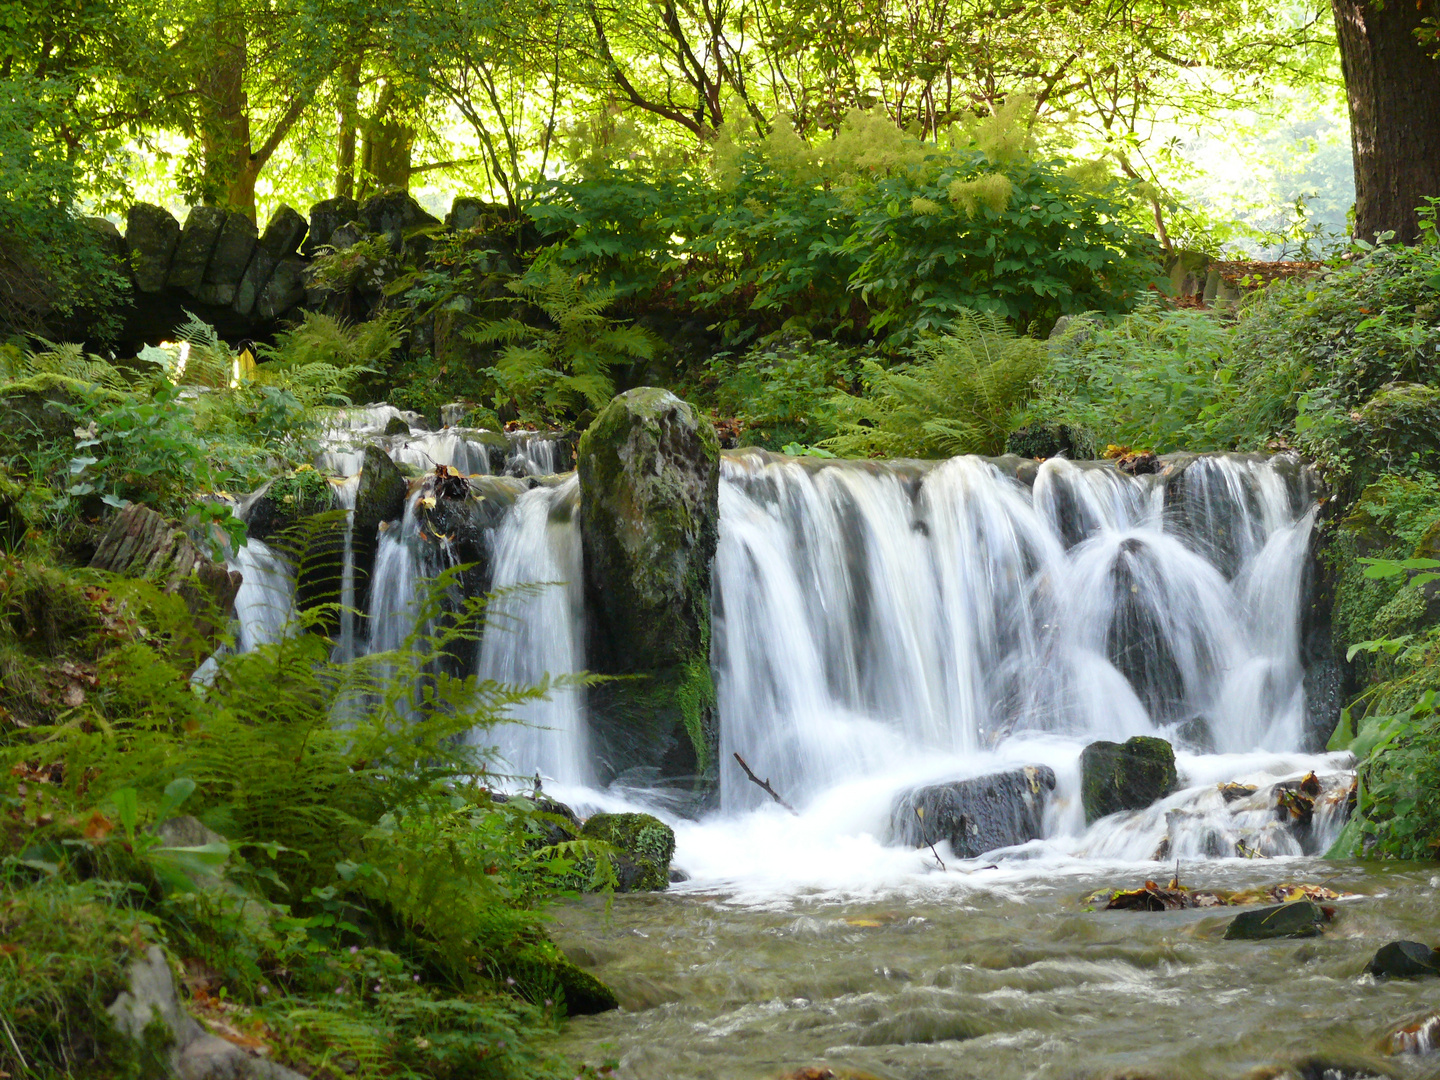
[1157, 379]
[1311, 356]
[875, 232]
[52, 262]
[959, 394]
[560, 362]
[779, 389]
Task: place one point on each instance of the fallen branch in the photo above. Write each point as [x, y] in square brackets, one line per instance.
[764, 785]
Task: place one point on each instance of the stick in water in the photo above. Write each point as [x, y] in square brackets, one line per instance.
[764, 785]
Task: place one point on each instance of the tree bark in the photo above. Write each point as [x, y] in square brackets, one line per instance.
[349, 121]
[385, 154]
[1393, 86]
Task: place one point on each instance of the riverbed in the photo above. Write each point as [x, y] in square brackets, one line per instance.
[997, 974]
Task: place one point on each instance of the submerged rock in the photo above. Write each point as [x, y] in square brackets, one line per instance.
[646, 845]
[1125, 776]
[1303, 918]
[976, 815]
[1404, 960]
[649, 478]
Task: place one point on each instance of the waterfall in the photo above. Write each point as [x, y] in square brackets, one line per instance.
[879, 624]
[534, 628]
[266, 600]
[869, 612]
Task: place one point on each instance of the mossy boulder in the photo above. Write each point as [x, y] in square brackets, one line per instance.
[1303, 918]
[646, 845]
[649, 470]
[1125, 776]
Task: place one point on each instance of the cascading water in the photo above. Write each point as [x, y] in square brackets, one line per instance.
[535, 629]
[867, 612]
[883, 625]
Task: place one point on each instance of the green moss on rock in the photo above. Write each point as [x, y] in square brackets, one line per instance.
[646, 843]
[649, 471]
[1125, 776]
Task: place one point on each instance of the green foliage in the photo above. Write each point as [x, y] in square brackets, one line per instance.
[67, 954]
[959, 394]
[874, 232]
[316, 360]
[367, 900]
[778, 389]
[1157, 379]
[561, 362]
[52, 262]
[1334, 365]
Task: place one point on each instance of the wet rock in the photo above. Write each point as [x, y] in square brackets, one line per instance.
[1142, 463]
[141, 543]
[1303, 918]
[1404, 960]
[1125, 776]
[192, 253]
[325, 217]
[470, 521]
[649, 477]
[379, 497]
[151, 233]
[976, 815]
[1051, 440]
[397, 426]
[585, 995]
[566, 827]
[646, 845]
[1418, 1036]
[1233, 792]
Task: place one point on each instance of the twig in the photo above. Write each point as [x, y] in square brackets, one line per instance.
[920, 813]
[764, 785]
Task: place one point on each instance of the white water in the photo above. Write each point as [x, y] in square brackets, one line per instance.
[881, 626]
[535, 629]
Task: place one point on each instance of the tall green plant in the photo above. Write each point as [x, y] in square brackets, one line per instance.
[560, 362]
[959, 394]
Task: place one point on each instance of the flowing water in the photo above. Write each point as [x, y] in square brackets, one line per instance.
[883, 626]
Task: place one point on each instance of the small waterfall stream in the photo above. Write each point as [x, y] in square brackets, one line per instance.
[883, 625]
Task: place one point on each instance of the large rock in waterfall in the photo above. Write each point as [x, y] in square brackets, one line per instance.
[379, 497]
[1125, 776]
[976, 815]
[645, 846]
[649, 479]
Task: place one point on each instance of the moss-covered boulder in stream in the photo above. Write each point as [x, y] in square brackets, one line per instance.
[1125, 776]
[649, 478]
[646, 845]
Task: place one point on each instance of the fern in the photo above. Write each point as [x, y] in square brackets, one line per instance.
[959, 395]
[318, 359]
[562, 366]
[68, 361]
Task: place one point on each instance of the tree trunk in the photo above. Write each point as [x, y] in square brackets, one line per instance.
[1393, 85]
[385, 154]
[349, 121]
[225, 120]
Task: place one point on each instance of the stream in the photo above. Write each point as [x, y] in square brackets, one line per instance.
[994, 975]
[880, 627]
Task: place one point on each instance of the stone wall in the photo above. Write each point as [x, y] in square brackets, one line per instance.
[245, 281]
